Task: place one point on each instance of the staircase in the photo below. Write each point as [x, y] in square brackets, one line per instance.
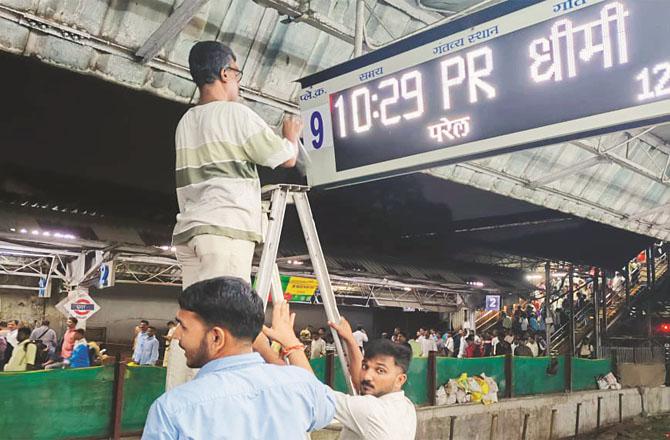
[617, 305]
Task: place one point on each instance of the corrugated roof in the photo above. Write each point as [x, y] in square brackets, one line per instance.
[101, 38]
[621, 179]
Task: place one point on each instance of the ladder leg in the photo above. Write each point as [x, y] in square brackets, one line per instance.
[319, 265]
[275, 286]
[271, 244]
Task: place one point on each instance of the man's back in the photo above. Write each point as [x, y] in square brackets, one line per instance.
[218, 146]
[390, 417]
[241, 397]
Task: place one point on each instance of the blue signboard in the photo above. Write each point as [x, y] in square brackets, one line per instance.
[492, 303]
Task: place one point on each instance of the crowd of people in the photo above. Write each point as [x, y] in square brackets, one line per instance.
[23, 348]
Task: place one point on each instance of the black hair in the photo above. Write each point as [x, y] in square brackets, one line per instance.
[73, 319]
[206, 60]
[227, 302]
[401, 353]
[359, 327]
[170, 322]
[25, 331]
[144, 321]
[15, 321]
[3, 323]
[45, 322]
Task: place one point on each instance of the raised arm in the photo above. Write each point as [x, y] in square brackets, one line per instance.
[282, 332]
[343, 329]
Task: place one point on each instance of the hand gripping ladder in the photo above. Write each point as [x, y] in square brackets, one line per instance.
[268, 280]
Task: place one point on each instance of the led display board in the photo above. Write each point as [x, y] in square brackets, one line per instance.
[521, 74]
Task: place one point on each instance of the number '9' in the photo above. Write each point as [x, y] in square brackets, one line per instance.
[316, 125]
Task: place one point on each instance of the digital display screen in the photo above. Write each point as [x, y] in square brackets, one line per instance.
[602, 57]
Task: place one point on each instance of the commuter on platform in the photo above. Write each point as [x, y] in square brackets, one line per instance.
[360, 336]
[381, 411]
[168, 339]
[79, 357]
[68, 338]
[24, 353]
[219, 143]
[146, 351]
[141, 335]
[47, 335]
[318, 346]
[235, 395]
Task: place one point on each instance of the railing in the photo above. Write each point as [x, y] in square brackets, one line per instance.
[616, 304]
[637, 355]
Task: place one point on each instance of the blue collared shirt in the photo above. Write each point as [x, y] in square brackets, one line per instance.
[146, 351]
[242, 398]
[139, 343]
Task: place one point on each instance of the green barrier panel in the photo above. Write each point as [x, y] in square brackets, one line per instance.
[451, 368]
[63, 403]
[530, 376]
[142, 386]
[586, 371]
[416, 388]
[319, 367]
[340, 382]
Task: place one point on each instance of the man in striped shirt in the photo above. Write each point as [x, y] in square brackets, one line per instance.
[219, 143]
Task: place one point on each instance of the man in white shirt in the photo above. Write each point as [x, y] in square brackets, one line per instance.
[12, 335]
[381, 411]
[360, 336]
[426, 342]
[317, 348]
[219, 143]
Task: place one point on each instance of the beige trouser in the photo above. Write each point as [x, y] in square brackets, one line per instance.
[202, 258]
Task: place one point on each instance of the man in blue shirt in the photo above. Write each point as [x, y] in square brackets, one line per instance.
[235, 395]
[146, 351]
[80, 357]
[141, 335]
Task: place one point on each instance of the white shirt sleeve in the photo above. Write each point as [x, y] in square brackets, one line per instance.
[261, 144]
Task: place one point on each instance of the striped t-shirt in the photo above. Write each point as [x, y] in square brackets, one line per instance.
[219, 145]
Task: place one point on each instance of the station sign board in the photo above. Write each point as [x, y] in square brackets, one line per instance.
[517, 75]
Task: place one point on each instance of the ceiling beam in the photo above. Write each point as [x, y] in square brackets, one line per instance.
[169, 29]
[625, 163]
[647, 212]
[567, 171]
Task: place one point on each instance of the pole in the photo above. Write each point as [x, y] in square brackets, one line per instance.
[571, 298]
[359, 28]
[604, 290]
[626, 274]
[119, 379]
[547, 303]
[432, 378]
[596, 309]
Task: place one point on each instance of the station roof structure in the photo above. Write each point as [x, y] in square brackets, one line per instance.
[620, 179]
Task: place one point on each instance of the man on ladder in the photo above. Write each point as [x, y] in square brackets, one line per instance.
[219, 143]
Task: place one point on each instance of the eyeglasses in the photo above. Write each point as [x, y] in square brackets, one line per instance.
[238, 73]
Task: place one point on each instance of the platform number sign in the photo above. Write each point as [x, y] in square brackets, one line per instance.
[492, 303]
[316, 125]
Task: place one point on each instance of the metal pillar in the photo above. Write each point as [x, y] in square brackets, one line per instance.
[650, 279]
[359, 29]
[547, 301]
[571, 304]
[604, 289]
[596, 307]
[626, 274]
